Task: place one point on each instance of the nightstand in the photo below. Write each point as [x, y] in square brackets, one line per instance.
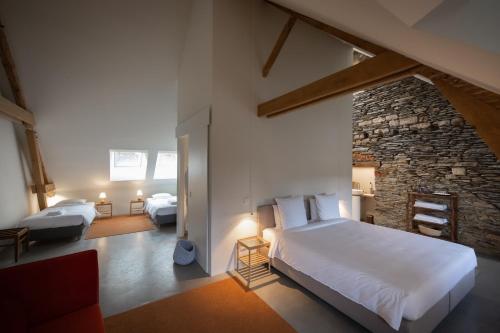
[105, 209]
[136, 207]
[254, 259]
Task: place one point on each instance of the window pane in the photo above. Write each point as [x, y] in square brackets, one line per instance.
[166, 165]
[127, 165]
[128, 159]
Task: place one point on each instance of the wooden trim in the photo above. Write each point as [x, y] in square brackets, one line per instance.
[279, 45]
[346, 37]
[36, 167]
[386, 67]
[16, 113]
[484, 117]
[46, 188]
[10, 68]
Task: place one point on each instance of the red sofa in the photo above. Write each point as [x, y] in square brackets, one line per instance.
[54, 295]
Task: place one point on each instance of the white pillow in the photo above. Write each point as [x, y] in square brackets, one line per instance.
[327, 206]
[292, 212]
[277, 217]
[314, 209]
[71, 202]
[161, 195]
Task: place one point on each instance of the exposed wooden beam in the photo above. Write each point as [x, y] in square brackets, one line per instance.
[346, 37]
[385, 67]
[484, 117]
[36, 167]
[10, 68]
[279, 45]
[16, 113]
[46, 188]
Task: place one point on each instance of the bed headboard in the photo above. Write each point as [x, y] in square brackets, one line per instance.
[265, 218]
[265, 215]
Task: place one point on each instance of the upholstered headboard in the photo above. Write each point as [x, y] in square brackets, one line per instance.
[265, 218]
[265, 215]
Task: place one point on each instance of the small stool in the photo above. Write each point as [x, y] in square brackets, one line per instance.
[19, 236]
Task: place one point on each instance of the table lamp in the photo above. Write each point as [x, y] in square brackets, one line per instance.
[102, 196]
[139, 195]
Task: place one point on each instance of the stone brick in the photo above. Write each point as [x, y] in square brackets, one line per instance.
[408, 121]
[423, 141]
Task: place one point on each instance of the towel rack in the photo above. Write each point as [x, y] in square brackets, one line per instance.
[451, 213]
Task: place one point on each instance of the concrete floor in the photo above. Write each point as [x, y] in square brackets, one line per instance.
[138, 268]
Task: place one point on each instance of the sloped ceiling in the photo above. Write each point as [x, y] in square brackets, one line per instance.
[426, 43]
[98, 75]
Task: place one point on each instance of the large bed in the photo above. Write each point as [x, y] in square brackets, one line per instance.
[66, 219]
[162, 209]
[385, 279]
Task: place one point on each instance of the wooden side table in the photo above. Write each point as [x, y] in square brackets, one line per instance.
[18, 236]
[105, 209]
[254, 257]
[136, 207]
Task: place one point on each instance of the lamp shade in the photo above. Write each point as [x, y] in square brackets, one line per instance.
[139, 193]
[102, 195]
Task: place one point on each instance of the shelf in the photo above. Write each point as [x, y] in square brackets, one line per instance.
[256, 259]
[416, 231]
[431, 210]
[430, 224]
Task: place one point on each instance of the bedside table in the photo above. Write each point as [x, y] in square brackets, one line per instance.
[254, 258]
[136, 207]
[105, 209]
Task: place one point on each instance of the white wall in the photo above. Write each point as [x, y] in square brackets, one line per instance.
[194, 101]
[195, 70]
[253, 160]
[99, 75]
[14, 177]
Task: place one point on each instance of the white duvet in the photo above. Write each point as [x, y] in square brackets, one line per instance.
[393, 273]
[70, 215]
[161, 206]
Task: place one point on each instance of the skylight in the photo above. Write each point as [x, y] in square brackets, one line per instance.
[166, 165]
[127, 164]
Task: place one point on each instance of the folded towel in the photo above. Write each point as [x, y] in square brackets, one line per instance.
[430, 205]
[430, 219]
[54, 213]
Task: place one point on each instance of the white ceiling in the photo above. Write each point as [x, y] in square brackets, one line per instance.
[98, 75]
[437, 39]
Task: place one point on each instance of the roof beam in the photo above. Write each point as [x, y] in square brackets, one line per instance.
[16, 113]
[385, 67]
[340, 34]
[10, 68]
[484, 117]
[279, 45]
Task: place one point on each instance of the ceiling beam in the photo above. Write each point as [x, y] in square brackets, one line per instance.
[279, 45]
[16, 113]
[482, 116]
[385, 67]
[340, 34]
[10, 68]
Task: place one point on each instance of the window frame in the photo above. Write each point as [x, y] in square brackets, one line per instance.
[112, 165]
[156, 163]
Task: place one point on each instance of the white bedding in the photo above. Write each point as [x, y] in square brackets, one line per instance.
[70, 215]
[393, 273]
[161, 206]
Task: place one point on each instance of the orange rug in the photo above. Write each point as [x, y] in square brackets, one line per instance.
[118, 226]
[220, 307]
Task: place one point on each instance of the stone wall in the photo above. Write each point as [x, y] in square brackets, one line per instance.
[420, 140]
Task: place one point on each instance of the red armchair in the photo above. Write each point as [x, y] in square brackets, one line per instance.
[54, 295]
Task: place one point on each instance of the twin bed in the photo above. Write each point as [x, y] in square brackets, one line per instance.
[162, 208]
[69, 218]
[385, 279]
[66, 219]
